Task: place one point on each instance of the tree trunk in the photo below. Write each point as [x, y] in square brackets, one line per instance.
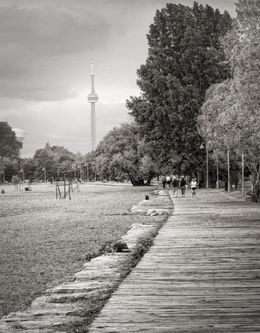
[148, 182]
[137, 182]
[256, 184]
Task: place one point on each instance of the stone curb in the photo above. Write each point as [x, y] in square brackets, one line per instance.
[66, 307]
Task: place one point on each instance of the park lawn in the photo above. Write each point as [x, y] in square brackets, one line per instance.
[44, 241]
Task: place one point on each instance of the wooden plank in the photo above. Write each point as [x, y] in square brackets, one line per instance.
[201, 275]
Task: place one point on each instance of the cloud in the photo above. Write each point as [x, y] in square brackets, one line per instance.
[45, 45]
[39, 45]
[47, 32]
[45, 64]
[64, 123]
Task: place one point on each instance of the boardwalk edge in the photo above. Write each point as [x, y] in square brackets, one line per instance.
[72, 306]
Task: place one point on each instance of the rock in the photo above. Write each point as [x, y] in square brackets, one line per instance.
[155, 211]
[138, 210]
[70, 301]
[120, 246]
[163, 192]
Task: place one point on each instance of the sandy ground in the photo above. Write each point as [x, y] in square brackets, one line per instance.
[44, 241]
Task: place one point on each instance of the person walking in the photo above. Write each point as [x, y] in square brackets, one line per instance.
[193, 186]
[168, 182]
[163, 181]
[175, 186]
[183, 186]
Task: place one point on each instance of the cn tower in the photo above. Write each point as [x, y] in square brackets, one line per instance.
[92, 99]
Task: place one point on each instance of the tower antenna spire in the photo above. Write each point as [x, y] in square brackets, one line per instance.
[92, 99]
[92, 62]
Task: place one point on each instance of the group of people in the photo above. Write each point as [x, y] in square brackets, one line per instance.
[179, 183]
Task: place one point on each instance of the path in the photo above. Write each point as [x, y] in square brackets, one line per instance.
[201, 275]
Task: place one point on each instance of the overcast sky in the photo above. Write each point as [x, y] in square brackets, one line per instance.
[45, 65]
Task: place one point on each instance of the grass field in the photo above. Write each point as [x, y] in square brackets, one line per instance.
[44, 241]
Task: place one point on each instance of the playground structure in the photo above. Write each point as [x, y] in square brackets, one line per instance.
[66, 185]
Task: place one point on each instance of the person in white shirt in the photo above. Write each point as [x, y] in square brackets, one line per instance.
[193, 186]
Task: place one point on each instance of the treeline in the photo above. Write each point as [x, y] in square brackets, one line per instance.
[47, 164]
[185, 56]
[229, 120]
[199, 87]
[120, 156]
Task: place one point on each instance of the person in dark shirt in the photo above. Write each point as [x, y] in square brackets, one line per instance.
[175, 186]
[183, 186]
[163, 181]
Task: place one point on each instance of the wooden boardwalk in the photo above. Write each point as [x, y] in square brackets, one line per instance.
[201, 275]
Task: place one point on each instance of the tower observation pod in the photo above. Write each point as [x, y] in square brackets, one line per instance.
[92, 99]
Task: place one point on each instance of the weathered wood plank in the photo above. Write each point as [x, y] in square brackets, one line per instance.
[201, 275]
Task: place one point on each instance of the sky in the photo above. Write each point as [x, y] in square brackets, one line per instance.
[45, 60]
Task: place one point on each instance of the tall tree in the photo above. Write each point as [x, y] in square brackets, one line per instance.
[184, 58]
[9, 146]
[30, 168]
[121, 153]
[235, 107]
[50, 159]
[242, 47]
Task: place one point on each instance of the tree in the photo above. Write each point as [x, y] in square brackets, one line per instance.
[235, 111]
[120, 154]
[51, 159]
[11, 166]
[244, 58]
[9, 146]
[184, 58]
[29, 168]
[216, 123]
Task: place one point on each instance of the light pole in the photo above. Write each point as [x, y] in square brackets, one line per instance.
[228, 167]
[207, 166]
[243, 173]
[207, 163]
[217, 183]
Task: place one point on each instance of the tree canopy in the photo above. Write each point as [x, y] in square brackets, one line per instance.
[230, 115]
[121, 155]
[9, 146]
[50, 159]
[185, 57]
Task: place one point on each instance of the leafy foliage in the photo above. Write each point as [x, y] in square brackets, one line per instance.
[121, 154]
[185, 57]
[51, 159]
[9, 146]
[30, 168]
[230, 114]
[9, 150]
